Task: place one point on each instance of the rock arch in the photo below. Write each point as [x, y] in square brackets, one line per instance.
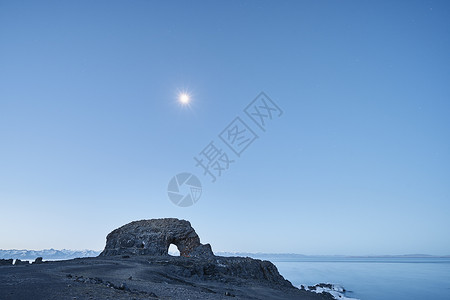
[153, 237]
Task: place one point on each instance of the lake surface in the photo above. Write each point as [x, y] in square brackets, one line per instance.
[373, 278]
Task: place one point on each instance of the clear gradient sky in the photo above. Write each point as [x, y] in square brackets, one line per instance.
[91, 131]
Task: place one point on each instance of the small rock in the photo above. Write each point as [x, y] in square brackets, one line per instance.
[38, 260]
[21, 262]
[98, 280]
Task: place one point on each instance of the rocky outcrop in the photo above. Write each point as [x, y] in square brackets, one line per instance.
[227, 269]
[153, 237]
[19, 262]
[38, 260]
[6, 262]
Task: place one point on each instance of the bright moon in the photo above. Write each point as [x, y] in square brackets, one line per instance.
[184, 98]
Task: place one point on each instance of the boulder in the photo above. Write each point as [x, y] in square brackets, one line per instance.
[38, 260]
[153, 237]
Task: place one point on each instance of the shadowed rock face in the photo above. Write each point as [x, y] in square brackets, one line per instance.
[153, 237]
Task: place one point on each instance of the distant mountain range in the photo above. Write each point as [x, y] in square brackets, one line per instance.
[262, 255]
[53, 254]
[294, 256]
[47, 254]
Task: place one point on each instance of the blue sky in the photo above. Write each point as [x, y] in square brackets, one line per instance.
[91, 131]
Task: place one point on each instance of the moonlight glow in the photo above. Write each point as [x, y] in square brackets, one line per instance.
[184, 98]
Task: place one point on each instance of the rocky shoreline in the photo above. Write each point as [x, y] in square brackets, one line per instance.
[135, 265]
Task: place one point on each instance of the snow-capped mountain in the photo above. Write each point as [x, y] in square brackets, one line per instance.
[46, 254]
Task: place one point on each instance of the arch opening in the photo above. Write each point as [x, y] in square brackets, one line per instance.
[173, 250]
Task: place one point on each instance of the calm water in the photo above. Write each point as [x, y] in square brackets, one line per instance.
[374, 278]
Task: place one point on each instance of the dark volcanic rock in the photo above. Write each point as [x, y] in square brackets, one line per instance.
[6, 262]
[19, 262]
[227, 269]
[38, 260]
[153, 237]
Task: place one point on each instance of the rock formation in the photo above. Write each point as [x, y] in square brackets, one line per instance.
[6, 262]
[153, 237]
[38, 260]
[19, 262]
